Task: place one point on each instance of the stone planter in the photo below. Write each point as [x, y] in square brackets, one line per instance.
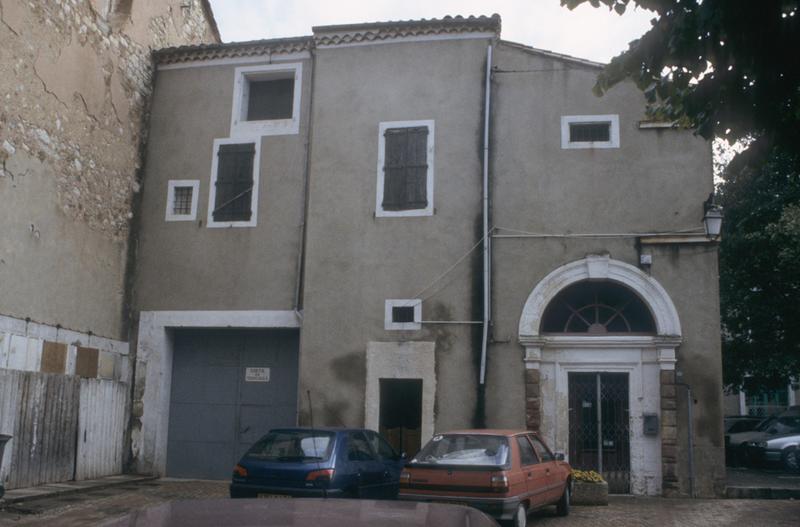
[589, 493]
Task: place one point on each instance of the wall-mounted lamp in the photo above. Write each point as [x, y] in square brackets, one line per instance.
[712, 217]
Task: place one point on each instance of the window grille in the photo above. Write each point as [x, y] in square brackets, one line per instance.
[234, 184]
[182, 201]
[597, 308]
[405, 168]
[589, 132]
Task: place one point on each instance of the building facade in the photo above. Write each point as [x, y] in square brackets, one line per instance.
[414, 227]
[75, 79]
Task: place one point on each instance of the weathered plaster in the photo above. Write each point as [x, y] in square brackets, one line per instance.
[73, 96]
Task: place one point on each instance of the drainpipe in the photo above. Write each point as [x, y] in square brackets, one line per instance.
[301, 256]
[486, 239]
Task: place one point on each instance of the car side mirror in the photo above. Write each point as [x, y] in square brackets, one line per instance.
[401, 457]
[560, 456]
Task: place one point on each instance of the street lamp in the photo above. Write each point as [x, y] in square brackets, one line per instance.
[712, 217]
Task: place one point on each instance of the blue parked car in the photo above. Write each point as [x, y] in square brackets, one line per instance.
[319, 462]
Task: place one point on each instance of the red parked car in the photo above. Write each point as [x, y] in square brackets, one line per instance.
[505, 473]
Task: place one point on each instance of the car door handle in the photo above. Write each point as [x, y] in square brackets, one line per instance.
[530, 474]
[547, 472]
[247, 429]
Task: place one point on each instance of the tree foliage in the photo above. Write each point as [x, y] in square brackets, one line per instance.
[760, 272]
[726, 68]
[731, 69]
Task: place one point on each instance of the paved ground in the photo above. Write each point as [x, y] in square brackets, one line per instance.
[93, 507]
[762, 477]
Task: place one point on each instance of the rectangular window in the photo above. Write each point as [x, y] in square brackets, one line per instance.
[182, 200]
[403, 314]
[266, 100]
[234, 184]
[270, 99]
[582, 132]
[589, 131]
[405, 169]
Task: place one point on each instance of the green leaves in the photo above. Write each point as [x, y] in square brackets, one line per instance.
[721, 66]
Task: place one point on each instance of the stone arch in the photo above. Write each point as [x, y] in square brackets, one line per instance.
[599, 267]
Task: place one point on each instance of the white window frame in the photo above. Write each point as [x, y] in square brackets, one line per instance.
[416, 303]
[212, 191]
[612, 119]
[242, 128]
[382, 127]
[194, 184]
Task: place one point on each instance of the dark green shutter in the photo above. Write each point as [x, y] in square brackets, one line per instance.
[405, 185]
[234, 185]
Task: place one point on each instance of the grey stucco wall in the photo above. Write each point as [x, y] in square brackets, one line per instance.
[355, 261]
[185, 265]
[655, 182]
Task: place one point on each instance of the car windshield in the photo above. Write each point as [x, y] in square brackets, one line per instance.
[293, 445]
[464, 449]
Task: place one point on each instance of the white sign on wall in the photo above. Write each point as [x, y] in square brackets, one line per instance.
[256, 374]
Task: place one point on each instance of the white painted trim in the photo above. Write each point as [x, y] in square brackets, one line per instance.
[605, 268]
[405, 326]
[398, 40]
[240, 127]
[35, 330]
[401, 360]
[613, 119]
[234, 61]
[194, 184]
[645, 125]
[212, 190]
[223, 319]
[154, 364]
[431, 152]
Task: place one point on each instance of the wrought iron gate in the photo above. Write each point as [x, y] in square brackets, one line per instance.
[599, 434]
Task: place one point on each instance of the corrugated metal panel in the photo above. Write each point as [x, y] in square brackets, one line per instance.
[44, 408]
[9, 399]
[101, 428]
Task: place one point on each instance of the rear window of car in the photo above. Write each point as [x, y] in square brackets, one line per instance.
[464, 450]
[293, 445]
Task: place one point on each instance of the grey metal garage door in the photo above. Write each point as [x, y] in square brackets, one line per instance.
[228, 388]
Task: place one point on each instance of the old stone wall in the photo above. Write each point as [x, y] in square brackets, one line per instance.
[75, 80]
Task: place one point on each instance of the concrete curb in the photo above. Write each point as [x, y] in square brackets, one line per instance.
[69, 487]
[761, 493]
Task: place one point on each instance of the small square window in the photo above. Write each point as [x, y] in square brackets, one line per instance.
[266, 100]
[583, 132]
[182, 200]
[589, 131]
[403, 314]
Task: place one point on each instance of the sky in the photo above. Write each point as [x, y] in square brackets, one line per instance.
[587, 32]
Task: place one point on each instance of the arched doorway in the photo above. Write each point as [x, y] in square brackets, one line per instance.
[598, 333]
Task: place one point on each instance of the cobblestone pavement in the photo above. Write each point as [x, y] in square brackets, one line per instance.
[97, 506]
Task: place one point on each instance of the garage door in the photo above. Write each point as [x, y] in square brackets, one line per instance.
[229, 387]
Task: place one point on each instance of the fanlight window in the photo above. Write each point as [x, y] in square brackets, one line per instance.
[597, 308]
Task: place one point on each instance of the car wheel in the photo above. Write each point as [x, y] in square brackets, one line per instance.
[562, 507]
[791, 460]
[520, 517]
